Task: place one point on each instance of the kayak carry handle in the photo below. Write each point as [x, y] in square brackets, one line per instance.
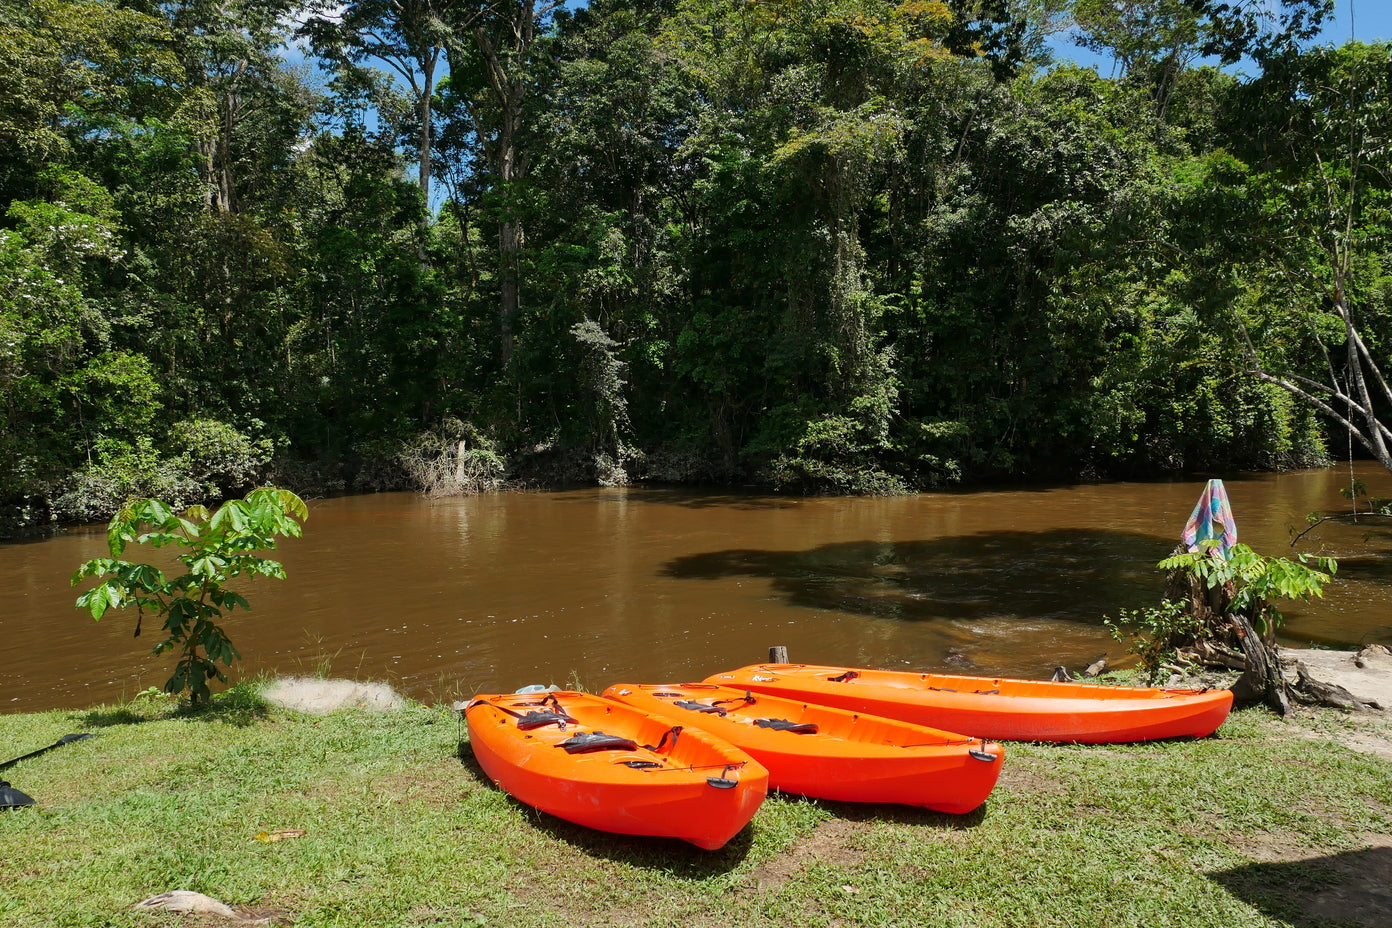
[797, 728]
[536, 718]
[587, 742]
[694, 706]
[982, 754]
[748, 699]
[722, 781]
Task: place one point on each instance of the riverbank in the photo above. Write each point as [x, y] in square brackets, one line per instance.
[1270, 822]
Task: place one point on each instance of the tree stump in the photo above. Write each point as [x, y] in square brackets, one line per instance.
[1262, 681]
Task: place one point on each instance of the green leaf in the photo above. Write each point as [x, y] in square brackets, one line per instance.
[95, 601]
[208, 566]
[96, 568]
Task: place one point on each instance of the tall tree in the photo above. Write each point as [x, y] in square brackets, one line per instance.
[1151, 41]
[409, 37]
[232, 72]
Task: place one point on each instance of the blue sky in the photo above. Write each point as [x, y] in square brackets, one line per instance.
[1365, 20]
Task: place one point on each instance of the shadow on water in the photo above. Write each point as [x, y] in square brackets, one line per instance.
[1352, 888]
[987, 575]
[1373, 568]
[758, 498]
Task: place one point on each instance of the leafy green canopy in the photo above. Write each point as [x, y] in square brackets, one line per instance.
[847, 245]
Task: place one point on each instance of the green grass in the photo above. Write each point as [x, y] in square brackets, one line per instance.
[402, 829]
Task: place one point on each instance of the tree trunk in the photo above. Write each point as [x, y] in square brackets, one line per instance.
[510, 232]
[509, 250]
[425, 150]
[506, 62]
[1318, 693]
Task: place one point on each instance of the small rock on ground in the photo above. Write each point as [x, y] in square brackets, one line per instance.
[185, 902]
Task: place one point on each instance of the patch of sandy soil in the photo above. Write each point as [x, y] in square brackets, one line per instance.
[1361, 734]
[320, 697]
[831, 842]
[1366, 674]
[1028, 775]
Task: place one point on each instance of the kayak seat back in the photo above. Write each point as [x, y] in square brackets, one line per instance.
[586, 742]
[797, 728]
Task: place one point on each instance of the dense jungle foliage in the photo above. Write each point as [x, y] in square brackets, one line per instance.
[817, 245]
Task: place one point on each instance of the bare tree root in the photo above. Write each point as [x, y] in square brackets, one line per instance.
[1311, 692]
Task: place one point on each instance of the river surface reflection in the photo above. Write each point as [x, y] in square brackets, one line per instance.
[590, 587]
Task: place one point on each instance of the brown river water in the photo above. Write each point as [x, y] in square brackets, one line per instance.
[447, 598]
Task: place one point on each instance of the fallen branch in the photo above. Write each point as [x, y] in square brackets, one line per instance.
[1209, 653]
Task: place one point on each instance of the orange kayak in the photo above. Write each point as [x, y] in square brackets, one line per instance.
[832, 753]
[1011, 710]
[609, 766]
